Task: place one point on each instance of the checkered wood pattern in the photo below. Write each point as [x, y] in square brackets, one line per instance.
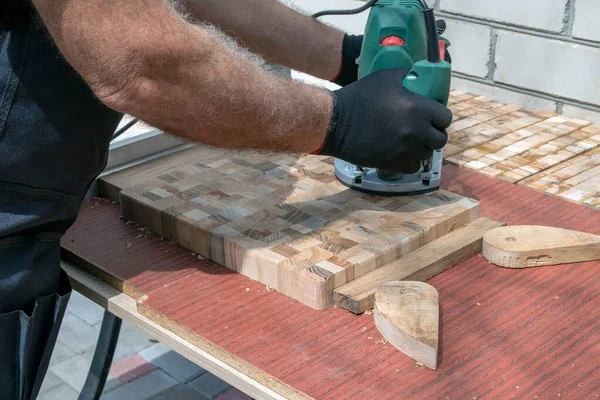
[510, 142]
[576, 180]
[285, 220]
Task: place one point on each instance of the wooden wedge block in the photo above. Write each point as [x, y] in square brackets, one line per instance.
[418, 265]
[535, 246]
[407, 315]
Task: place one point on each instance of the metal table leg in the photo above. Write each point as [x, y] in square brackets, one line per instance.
[103, 355]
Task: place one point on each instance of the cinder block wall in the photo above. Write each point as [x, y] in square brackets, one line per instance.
[542, 54]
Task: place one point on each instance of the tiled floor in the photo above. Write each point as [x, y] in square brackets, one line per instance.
[142, 369]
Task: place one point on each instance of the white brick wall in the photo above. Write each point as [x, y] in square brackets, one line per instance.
[587, 20]
[470, 48]
[564, 69]
[546, 55]
[540, 14]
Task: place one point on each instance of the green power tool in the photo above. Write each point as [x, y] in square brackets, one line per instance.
[401, 34]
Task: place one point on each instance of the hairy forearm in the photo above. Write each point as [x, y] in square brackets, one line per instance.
[140, 57]
[280, 34]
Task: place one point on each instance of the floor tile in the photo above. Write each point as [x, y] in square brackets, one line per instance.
[61, 392]
[134, 338]
[209, 385]
[172, 363]
[234, 394]
[85, 309]
[144, 388]
[77, 335]
[181, 392]
[61, 353]
[50, 382]
[132, 368]
[74, 370]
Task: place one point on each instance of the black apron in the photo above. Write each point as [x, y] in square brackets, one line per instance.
[54, 139]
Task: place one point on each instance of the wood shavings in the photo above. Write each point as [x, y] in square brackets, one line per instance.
[369, 312]
[419, 364]
[130, 222]
[247, 289]
[128, 246]
[145, 231]
[364, 328]
[201, 257]
[478, 304]
[193, 254]
[369, 338]
[269, 288]
[517, 386]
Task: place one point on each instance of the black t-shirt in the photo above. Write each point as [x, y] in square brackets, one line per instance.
[54, 133]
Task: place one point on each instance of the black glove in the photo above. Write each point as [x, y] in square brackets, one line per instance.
[350, 51]
[378, 123]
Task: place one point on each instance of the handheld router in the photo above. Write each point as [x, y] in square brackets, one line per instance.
[400, 34]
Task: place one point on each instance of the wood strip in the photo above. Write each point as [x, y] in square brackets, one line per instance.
[419, 265]
[526, 246]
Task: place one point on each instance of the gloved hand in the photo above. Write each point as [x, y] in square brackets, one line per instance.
[350, 51]
[378, 123]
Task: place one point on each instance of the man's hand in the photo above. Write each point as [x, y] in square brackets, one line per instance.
[377, 122]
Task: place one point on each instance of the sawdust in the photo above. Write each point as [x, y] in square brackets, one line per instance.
[269, 288]
[130, 222]
[247, 289]
[369, 312]
[364, 328]
[201, 257]
[193, 254]
[369, 337]
[128, 246]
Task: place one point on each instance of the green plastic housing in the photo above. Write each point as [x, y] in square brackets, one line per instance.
[403, 18]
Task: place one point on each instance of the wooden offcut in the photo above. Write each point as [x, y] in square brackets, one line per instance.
[525, 246]
[407, 314]
[419, 265]
[283, 220]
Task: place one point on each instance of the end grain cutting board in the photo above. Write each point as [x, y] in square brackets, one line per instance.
[285, 220]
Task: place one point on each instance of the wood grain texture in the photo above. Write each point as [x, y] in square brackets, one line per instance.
[510, 142]
[505, 333]
[421, 264]
[407, 314]
[226, 366]
[576, 180]
[526, 246]
[284, 220]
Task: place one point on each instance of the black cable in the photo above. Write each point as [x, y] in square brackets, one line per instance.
[124, 128]
[345, 12]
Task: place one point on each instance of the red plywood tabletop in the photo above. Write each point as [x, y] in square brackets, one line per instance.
[504, 333]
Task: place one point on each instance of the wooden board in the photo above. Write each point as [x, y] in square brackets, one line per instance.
[433, 258]
[537, 326]
[215, 360]
[576, 180]
[407, 314]
[513, 143]
[285, 220]
[525, 246]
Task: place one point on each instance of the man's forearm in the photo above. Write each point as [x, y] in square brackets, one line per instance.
[280, 34]
[141, 58]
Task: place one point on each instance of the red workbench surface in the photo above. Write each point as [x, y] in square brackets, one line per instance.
[504, 333]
